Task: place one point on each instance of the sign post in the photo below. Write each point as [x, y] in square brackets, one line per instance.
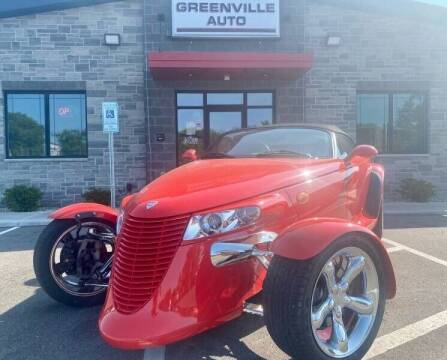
[111, 126]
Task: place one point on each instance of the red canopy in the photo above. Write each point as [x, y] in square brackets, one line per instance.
[228, 65]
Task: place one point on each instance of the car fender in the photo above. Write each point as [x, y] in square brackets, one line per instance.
[308, 238]
[86, 210]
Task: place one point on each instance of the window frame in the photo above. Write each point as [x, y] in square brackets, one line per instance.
[206, 108]
[46, 94]
[389, 126]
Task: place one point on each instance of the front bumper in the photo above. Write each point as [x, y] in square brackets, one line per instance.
[193, 296]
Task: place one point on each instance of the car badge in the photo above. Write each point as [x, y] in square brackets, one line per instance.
[303, 198]
[151, 204]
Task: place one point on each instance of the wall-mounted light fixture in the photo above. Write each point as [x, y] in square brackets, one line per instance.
[112, 39]
[333, 40]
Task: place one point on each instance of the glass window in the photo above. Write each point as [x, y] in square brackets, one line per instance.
[223, 121]
[394, 123]
[373, 113]
[68, 136]
[25, 125]
[344, 145]
[259, 117]
[225, 98]
[408, 126]
[259, 99]
[285, 142]
[189, 99]
[203, 116]
[190, 130]
[46, 125]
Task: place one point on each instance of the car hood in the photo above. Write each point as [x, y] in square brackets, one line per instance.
[207, 184]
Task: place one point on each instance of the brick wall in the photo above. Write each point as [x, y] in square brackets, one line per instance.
[67, 46]
[379, 52]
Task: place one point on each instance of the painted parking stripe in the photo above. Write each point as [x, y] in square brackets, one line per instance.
[394, 249]
[417, 252]
[155, 353]
[8, 230]
[408, 333]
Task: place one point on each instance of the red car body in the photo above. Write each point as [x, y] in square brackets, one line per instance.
[164, 289]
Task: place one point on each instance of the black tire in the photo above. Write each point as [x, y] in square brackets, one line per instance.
[287, 295]
[41, 261]
[378, 228]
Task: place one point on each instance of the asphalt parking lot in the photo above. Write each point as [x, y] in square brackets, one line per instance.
[32, 326]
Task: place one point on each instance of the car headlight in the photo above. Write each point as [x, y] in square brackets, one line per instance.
[220, 222]
[119, 221]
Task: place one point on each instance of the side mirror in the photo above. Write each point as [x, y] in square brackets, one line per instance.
[190, 155]
[362, 151]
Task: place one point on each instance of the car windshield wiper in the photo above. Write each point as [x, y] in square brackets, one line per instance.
[216, 155]
[283, 152]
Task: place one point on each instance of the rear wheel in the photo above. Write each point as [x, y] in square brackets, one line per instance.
[69, 259]
[328, 307]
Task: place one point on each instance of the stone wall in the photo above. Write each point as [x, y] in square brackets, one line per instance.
[65, 49]
[386, 53]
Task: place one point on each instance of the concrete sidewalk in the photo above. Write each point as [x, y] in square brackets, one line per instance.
[411, 208]
[34, 218]
[10, 219]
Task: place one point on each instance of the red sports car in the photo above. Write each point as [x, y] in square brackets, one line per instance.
[283, 221]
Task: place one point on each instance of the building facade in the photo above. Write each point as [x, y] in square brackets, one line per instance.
[184, 71]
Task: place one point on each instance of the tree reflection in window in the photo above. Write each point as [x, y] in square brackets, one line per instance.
[394, 122]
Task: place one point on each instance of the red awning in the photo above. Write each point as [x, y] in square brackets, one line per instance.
[228, 65]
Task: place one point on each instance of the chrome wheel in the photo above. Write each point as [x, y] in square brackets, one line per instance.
[81, 257]
[345, 300]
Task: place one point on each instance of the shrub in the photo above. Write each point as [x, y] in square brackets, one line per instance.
[96, 195]
[22, 198]
[416, 190]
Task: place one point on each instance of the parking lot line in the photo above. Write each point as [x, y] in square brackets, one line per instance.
[155, 353]
[394, 249]
[416, 252]
[406, 334]
[8, 230]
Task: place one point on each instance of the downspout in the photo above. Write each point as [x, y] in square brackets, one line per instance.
[148, 154]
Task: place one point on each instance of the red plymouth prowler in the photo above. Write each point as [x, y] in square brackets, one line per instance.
[281, 221]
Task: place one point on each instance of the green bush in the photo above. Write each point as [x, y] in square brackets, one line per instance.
[97, 195]
[416, 190]
[22, 198]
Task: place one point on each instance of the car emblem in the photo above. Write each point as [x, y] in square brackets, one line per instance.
[151, 204]
[303, 198]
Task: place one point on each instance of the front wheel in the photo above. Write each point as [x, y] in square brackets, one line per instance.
[328, 307]
[71, 260]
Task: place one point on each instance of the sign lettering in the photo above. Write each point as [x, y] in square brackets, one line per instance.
[225, 19]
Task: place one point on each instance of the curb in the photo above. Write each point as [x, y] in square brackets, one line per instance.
[24, 223]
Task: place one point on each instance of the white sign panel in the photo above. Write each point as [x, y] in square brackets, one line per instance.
[225, 18]
[110, 117]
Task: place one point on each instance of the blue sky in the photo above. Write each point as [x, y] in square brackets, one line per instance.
[435, 2]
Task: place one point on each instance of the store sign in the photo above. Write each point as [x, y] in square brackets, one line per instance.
[225, 18]
[110, 117]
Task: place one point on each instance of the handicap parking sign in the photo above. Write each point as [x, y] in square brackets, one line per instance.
[110, 117]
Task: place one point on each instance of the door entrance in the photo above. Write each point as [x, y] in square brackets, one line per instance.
[203, 116]
[221, 121]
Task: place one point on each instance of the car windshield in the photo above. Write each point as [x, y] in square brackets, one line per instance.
[282, 142]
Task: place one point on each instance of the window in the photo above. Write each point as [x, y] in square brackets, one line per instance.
[344, 145]
[46, 124]
[395, 123]
[203, 116]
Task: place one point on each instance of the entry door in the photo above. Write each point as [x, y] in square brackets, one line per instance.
[220, 120]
